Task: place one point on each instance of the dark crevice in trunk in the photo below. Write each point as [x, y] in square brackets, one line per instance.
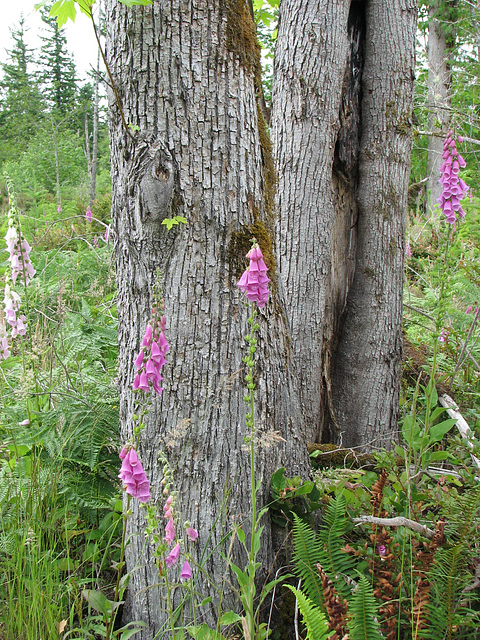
[347, 147]
[344, 181]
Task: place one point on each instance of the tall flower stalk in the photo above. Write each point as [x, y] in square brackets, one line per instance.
[254, 284]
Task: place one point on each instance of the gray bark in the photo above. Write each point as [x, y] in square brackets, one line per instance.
[93, 165]
[341, 124]
[184, 72]
[439, 103]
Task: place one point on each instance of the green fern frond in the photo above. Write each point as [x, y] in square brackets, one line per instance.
[306, 553]
[363, 609]
[312, 617]
[336, 563]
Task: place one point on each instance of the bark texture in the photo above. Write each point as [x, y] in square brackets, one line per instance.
[439, 98]
[341, 125]
[185, 73]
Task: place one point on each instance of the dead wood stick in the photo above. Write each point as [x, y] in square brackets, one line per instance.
[399, 521]
[462, 425]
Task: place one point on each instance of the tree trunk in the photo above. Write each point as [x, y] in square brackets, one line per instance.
[341, 124]
[439, 103]
[93, 166]
[185, 74]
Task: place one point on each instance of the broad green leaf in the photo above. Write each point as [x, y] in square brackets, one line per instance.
[204, 633]
[437, 432]
[229, 617]
[242, 577]
[241, 535]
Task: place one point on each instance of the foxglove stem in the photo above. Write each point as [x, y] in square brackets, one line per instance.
[250, 421]
[111, 622]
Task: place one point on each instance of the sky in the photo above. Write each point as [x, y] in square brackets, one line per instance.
[80, 37]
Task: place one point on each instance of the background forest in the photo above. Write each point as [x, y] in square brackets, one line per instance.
[60, 498]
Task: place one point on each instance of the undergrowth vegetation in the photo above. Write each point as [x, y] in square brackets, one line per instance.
[383, 546]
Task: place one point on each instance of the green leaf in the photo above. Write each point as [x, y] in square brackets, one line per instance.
[437, 432]
[62, 10]
[241, 535]
[242, 577]
[130, 630]
[133, 3]
[229, 617]
[100, 602]
[278, 480]
[204, 633]
[305, 488]
[437, 456]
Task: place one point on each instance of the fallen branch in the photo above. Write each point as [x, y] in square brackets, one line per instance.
[397, 522]
[462, 425]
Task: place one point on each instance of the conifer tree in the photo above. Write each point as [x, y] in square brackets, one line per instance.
[58, 74]
[21, 104]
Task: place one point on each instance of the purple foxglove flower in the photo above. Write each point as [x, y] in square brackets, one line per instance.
[192, 533]
[408, 250]
[143, 383]
[147, 339]
[454, 188]
[186, 571]
[172, 557]
[59, 209]
[107, 234]
[170, 532]
[139, 360]
[134, 479]
[254, 281]
[88, 214]
[24, 423]
[382, 550]
[4, 350]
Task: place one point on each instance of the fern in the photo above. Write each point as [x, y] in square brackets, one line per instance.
[326, 548]
[334, 560]
[363, 609]
[306, 553]
[312, 616]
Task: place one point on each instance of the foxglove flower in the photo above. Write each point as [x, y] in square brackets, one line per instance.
[4, 350]
[135, 481]
[151, 357]
[192, 533]
[172, 557]
[454, 188]
[186, 571]
[254, 281]
[88, 214]
[170, 532]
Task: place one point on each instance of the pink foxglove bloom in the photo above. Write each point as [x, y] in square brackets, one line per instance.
[254, 281]
[454, 188]
[192, 533]
[4, 350]
[172, 557]
[170, 532]
[59, 209]
[133, 477]
[408, 250]
[382, 550]
[107, 234]
[151, 358]
[88, 214]
[186, 571]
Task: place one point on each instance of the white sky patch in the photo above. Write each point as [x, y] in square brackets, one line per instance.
[80, 36]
